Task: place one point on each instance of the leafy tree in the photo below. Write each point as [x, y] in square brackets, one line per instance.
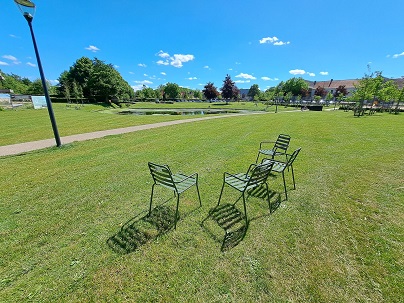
[171, 91]
[320, 91]
[94, 78]
[16, 83]
[36, 88]
[297, 86]
[210, 91]
[229, 89]
[254, 91]
[340, 90]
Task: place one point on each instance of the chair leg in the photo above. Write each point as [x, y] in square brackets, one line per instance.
[256, 161]
[284, 184]
[199, 196]
[176, 212]
[151, 198]
[221, 192]
[245, 211]
[293, 177]
[269, 202]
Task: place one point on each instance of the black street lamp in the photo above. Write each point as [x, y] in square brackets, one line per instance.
[27, 9]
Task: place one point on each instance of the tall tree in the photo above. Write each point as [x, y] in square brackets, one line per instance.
[254, 91]
[320, 92]
[171, 91]
[297, 86]
[229, 89]
[210, 91]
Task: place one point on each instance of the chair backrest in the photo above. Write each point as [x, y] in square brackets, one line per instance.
[282, 143]
[259, 174]
[162, 175]
[292, 157]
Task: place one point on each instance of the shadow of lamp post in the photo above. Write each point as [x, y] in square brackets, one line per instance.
[27, 9]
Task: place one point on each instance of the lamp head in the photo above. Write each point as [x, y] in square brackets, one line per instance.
[27, 8]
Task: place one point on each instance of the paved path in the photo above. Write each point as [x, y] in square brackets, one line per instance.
[21, 148]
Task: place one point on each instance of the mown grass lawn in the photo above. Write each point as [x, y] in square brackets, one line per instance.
[73, 225]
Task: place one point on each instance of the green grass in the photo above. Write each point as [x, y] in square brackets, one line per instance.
[24, 125]
[339, 237]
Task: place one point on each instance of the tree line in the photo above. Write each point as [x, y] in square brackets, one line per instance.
[95, 80]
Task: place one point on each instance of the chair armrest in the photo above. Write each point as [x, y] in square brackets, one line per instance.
[252, 166]
[234, 176]
[193, 176]
[266, 142]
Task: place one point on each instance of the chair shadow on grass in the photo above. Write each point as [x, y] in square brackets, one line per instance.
[228, 218]
[141, 230]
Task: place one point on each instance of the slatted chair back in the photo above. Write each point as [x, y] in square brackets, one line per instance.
[292, 157]
[162, 176]
[281, 144]
[259, 175]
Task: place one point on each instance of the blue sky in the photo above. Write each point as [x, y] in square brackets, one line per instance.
[194, 42]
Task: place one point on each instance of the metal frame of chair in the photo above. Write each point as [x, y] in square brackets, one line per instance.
[280, 147]
[280, 167]
[179, 183]
[256, 175]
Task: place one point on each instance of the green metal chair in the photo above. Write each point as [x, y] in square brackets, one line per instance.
[178, 183]
[280, 147]
[256, 175]
[280, 167]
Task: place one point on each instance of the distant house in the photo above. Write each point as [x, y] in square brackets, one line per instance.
[331, 85]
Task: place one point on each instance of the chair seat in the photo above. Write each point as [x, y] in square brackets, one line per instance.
[278, 166]
[183, 182]
[236, 182]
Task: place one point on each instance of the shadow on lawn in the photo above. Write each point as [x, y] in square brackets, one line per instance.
[139, 231]
[226, 217]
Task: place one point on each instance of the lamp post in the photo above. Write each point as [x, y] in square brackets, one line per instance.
[27, 9]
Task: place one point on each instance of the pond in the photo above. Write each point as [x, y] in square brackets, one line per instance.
[176, 112]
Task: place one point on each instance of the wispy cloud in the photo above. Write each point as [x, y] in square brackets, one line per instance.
[4, 63]
[274, 41]
[142, 65]
[12, 59]
[192, 78]
[242, 81]
[246, 76]
[398, 55]
[31, 64]
[163, 73]
[92, 48]
[324, 73]
[269, 79]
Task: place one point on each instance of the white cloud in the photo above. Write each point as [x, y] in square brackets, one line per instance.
[269, 79]
[192, 78]
[9, 57]
[398, 55]
[54, 82]
[297, 72]
[13, 36]
[3, 63]
[324, 73]
[143, 82]
[116, 66]
[163, 73]
[274, 41]
[246, 76]
[311, 74]
[162, 54]
[242, 81]
[142, 65]
[92, 48]
[161, 62]
[132, 73]
[31, 64]
[206, 66]
[177, 60]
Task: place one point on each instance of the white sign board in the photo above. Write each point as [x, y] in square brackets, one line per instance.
[38, 101]
[5, 99]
